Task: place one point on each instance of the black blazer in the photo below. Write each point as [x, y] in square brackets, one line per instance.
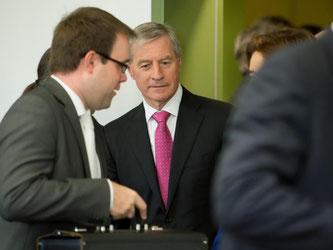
[274, 187]
[44, 170]
[197, 141]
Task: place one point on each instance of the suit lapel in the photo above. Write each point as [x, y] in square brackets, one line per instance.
[188, 125]
[138, 138]
[72, 116]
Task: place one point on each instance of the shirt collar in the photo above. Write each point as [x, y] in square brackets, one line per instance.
[79, 107]
[172, 106]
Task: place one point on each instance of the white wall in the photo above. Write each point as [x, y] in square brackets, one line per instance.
[26, 29]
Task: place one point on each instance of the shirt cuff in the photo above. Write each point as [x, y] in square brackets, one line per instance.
[111, 193]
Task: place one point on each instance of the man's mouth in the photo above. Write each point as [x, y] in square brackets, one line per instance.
[158, 86]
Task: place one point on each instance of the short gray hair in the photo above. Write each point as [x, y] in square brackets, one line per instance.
[150, 31]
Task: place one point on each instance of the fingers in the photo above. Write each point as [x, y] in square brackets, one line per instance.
[125, 201]
[141, 206]
[130, 212]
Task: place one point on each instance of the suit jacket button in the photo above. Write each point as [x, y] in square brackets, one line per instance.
[168, 220]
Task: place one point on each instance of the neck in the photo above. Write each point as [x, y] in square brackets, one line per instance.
[72, 80]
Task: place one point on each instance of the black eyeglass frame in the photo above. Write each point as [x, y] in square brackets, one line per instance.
[123, 66]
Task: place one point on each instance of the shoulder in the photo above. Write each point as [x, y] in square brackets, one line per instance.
[123, 121]
[214, 105]
[38, 101]
[204, 104]
[32, 114]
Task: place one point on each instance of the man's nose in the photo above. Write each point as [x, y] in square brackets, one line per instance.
[123, 77]
[157, 72]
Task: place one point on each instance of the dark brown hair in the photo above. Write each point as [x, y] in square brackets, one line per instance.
[263, 25]
[42, 72]
[267, 43]
[85, 29]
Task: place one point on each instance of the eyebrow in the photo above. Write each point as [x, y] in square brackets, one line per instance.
[143, 61]
[166, 58]
[149, 61]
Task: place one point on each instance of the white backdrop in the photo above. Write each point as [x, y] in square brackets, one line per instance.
[26, 29]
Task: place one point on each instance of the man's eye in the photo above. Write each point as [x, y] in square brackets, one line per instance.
[144, 66]
[166, 63]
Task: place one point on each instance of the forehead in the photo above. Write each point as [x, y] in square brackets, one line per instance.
[120, 48]
[160, 47]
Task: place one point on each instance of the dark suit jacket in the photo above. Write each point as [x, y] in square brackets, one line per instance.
[44, 169]
[274, 187]
[197, 141]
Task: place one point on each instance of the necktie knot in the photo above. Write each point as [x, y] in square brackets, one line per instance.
[87, 120]
[161, 116]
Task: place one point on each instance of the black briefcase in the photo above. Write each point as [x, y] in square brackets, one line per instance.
[124, 240]
[64, 240]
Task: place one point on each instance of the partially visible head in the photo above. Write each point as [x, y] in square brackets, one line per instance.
[42, 72]
[155, 62]
[312, 28]
[83, 30]
[272, 21]
[43, 66]
[261, 26]
[89, 50]
[262, 45]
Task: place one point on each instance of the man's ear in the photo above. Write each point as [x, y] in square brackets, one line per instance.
[180, 61]
[89, 61]
[130, 71]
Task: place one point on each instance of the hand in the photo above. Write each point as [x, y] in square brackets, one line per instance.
[125, 200]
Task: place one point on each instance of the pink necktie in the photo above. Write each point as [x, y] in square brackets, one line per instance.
[163, 151]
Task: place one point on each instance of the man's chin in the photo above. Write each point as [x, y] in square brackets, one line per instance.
[105, 105]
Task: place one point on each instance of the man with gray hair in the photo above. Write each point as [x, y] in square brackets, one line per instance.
[166, 148]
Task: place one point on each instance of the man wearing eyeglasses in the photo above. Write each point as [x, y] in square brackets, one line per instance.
[51, 174]
[173, 178]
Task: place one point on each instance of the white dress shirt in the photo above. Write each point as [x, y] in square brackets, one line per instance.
[172, 106]
[80, 110]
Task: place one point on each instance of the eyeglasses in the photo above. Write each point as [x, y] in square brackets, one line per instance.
[123, 66]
